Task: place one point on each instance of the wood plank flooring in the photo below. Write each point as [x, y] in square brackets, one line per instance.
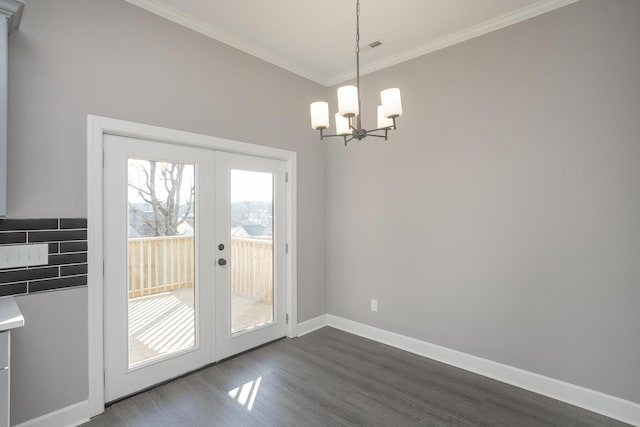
[332, 378]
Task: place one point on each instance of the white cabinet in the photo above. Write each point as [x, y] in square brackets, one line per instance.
[4, 397]
[4, 58]
[4, 379]
[10, 318]
[10, 15]
[4, 349]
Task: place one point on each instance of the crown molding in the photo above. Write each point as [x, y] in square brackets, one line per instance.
[209, 30]
[12, 9]
[527, 12]
[483, 28]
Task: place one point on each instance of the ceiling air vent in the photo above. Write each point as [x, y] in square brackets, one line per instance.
[375, 44]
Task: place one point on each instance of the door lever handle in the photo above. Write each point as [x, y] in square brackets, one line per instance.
[222, 262]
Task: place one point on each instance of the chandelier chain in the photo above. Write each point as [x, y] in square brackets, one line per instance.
[358, 27]
[358, 117]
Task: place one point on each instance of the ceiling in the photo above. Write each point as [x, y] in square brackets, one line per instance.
[316, 39]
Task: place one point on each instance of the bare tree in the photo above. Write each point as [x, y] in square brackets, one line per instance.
[160, 186]
[254, 212]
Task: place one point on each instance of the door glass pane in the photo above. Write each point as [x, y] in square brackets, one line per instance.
[251, 249]
[161, 296]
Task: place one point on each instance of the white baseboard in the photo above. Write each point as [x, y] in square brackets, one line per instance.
[72, 415]
[312, 324]
[595, 401]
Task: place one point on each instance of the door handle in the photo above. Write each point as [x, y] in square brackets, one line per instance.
[222, 262]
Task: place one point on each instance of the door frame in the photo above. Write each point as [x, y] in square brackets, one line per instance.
[97, 127]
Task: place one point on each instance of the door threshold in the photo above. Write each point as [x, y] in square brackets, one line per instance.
[146, 389]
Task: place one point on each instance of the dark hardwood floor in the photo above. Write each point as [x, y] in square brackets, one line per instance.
[332, 378]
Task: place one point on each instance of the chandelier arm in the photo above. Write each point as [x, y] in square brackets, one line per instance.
[322, 135]
[385, 136]
[375, 130]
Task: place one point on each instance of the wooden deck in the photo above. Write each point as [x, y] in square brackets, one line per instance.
[164, 322]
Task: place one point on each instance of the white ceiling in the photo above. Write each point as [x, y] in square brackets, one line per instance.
[316, 39]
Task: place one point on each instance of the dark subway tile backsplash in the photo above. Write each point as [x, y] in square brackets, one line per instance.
[66, 223]
[63, 282]
[13, 289]
[8, 238]
[31, 273]
[73, 270]
[67, 267]
[57, 236]
[73, 247]
[74, 258]
[29, 224]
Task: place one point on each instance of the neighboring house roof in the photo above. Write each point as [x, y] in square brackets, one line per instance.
[185, 229]
[251, 231]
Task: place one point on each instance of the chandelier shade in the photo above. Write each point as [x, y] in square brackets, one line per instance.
[342, 125]
[348, 119]
[348, 101]
[391, 102]
[319, 115]
[383, 121]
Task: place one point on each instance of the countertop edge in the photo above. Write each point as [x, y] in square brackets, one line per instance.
[10, 314]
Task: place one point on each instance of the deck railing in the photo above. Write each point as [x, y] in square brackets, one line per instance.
[252, 268]
[160, 264]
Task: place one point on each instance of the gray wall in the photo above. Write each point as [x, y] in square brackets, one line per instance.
[502, 219]
[71, 58]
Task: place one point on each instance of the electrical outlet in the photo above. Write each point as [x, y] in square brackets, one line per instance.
[374, 305]
[24, 255]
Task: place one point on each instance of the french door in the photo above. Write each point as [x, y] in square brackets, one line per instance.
[250, 216]
[194, 259]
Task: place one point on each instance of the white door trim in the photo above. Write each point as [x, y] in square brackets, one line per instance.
[98, 126]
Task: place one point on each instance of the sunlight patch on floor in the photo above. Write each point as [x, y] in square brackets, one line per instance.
[246, 394]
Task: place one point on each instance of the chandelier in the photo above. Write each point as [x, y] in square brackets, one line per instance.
[349, 104]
